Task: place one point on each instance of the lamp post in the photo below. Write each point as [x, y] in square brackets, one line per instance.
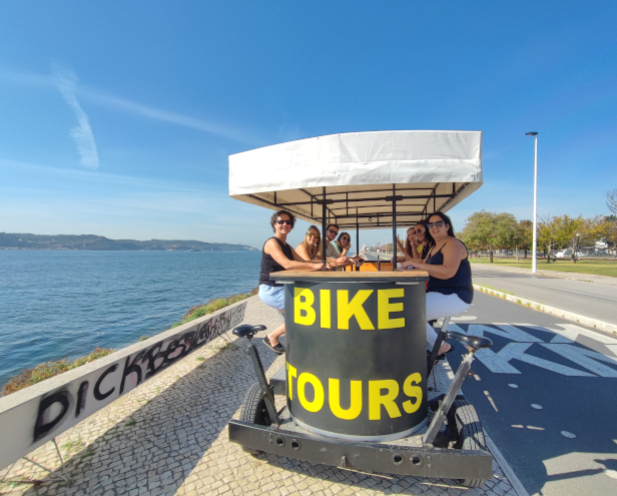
[534, 260]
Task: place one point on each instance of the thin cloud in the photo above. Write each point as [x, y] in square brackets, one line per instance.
[134, 108]
[66, 81]
[130, 107]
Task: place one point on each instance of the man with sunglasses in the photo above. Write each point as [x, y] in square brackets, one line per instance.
[331, 234]
[276, 256]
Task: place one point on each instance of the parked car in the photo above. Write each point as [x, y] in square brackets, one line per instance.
[562, 254]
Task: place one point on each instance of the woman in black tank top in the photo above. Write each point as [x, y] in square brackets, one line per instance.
[450, 290]
[276, 256]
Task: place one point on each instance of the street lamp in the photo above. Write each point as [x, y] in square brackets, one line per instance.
[534, 260]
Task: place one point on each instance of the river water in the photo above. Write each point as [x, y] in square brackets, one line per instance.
[56, 304]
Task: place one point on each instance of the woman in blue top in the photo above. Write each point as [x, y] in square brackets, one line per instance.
[450, 290]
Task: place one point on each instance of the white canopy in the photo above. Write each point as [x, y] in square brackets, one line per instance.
[360, 174]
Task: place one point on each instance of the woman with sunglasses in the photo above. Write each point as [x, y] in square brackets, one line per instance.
[418, 242]
[276, 256]
[343, 243]
[310, 248]
[450, 290]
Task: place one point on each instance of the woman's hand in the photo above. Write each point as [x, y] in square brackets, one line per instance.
[410, 263]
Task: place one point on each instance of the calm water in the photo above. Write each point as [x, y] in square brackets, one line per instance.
[55, 304]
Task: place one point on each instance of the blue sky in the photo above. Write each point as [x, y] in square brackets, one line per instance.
[117, 118]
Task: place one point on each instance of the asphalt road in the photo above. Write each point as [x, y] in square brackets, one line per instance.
[569, 373]
[582, 297]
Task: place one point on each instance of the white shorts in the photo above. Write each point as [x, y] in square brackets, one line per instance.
[438, 306]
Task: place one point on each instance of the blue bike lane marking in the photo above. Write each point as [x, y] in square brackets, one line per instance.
[564, 377]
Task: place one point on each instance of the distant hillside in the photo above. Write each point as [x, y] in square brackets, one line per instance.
[10, 241]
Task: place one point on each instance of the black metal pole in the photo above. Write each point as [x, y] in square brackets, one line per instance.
[357, 234]
[323, 229]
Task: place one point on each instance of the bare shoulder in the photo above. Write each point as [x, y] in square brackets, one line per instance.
[271, 245]
[456, 246]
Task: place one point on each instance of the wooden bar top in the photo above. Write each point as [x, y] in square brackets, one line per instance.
[323, 275]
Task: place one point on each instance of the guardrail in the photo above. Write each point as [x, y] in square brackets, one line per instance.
[31, 417]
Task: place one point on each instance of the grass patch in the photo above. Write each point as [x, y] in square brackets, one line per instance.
[211, 306]
[596, 267]
[71, 446]
[89, 452]
[50, 369]
[200, 359]
[486, 287]
[131, 423]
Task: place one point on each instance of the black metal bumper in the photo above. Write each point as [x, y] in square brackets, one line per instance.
[391, 458]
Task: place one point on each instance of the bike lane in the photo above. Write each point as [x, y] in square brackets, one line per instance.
[544, 381]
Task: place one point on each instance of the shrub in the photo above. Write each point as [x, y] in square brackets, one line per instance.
[49, 369]
[211, 306]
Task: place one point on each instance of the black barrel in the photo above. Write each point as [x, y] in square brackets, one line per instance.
[356, 358]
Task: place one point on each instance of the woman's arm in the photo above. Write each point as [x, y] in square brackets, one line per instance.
[414, 252]
[454, 253]
[273, 249]
[301, 255]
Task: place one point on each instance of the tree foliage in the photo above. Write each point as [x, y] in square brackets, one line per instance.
[490, 231]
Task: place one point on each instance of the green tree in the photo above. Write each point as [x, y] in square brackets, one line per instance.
[480, 232]
[558, 232]
[526, 227]
[508, 233]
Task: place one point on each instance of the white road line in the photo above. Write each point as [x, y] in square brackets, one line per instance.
[585, 358]
[516, 351]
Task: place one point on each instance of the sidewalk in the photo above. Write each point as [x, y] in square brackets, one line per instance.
[555, 274]
[169, 436]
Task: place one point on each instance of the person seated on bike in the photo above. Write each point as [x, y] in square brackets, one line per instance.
[450, 290]
[310, 248]
[343, 243]
[418, 242]
[276, 256]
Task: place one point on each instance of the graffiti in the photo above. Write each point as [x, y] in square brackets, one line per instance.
[65, 405]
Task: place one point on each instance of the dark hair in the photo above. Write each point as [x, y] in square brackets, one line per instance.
[338, 240]
[446, 219]
[276, 215]
[332, 225]
[429, 242]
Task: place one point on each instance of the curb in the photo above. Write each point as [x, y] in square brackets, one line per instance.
[599, 325]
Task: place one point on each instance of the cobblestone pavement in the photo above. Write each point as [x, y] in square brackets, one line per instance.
[169, 436]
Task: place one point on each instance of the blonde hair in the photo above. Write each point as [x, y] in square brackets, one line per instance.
[309, 248]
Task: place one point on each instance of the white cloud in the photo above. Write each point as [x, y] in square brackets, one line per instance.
[122, 105]
[66, 81]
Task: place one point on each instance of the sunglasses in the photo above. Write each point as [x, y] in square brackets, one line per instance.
[312, 235]
[281, 222]
[332, 231]
[344, 238]
[439, 224]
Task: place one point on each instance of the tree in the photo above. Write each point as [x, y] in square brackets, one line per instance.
[479, 232]
[508, 232]
[557, 232]
[526, 227]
